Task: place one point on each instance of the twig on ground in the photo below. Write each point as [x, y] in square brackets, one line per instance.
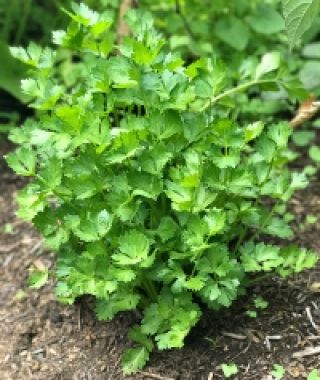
[9, 247]
[235, 336]
[309, 315]
[313, 337]
[155, 376]
[271, 337]
[35, 248]
[309, 351]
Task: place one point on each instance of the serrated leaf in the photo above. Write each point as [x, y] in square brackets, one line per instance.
[134, 359]
[280, 133]
[229, 369]
[278, 371]
[180, 196]
[90, 227]
[38, 278]
[278, 227]
[30, 202]
[195, 283]
[167, 228]
[215, 220]
[137, 336]
[253, 130]
[299, 16]
[120, 301]
[295, 260]
[260, 257]
[133, 248]
[171, 339]
[152, 320]
[22, 161]
[51, 174]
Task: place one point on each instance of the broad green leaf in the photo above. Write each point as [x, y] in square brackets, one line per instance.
[266, 20]
[303, 138]
[269, 63]
[310, 74]
[312, 50]
[299, 16]
[233, 31]
[314, 153]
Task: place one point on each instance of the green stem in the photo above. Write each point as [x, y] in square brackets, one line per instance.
[116, 118]
[150, 289]
[245, 230]
[185, 22]
[8, 20]
[240, 239]
[163, 203]
[22, 24]
[265, 221]
[235, 90]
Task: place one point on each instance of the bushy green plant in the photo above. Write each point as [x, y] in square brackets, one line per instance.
[239, 32]
[152, 194]
[34, 20]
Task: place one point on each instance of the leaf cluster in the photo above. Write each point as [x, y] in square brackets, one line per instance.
[142, 179]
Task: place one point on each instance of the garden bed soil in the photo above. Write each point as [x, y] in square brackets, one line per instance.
[41, 339]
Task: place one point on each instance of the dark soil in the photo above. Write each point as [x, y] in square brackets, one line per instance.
[41, 339]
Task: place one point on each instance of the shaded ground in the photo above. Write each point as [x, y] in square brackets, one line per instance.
[41, 339]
